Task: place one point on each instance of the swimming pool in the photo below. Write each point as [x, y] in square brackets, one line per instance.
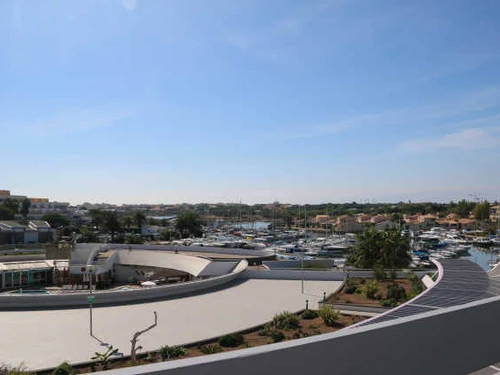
[29, 291]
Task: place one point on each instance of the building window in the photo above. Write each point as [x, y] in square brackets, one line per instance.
[15, 279]
[8, 280]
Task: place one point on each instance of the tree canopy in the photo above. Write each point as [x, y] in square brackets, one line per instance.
[139, 220]
[111, 224]
[463, 208]
[482, 211]
[25, 208]
[11, 204]
[56, 220]
[386, 248]
[189, 224]
[6, 213]
[98, 218]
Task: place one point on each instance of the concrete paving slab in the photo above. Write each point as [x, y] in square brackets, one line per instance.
[41, 339]
[485, 371]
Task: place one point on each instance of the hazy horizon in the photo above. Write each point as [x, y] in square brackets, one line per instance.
[136, 101]
[475, 198]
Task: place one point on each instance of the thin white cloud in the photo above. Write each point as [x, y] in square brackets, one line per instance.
[69, 122]
[269, 42]
[466, 105]
[129, 5]
[484, 121]
[472, 139]
[324, 129]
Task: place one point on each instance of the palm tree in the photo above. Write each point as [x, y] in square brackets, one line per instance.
[128, 221]
[396, 249]
[25, 209]
[140, 220]
[112, 224]
[387, 248]
[98, 217]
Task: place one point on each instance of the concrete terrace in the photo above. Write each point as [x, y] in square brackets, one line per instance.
[453, 333]
[42, 339]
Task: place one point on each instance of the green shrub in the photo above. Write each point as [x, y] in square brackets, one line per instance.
[105, 358]
[362, 281]
[328, 315]
[277, 336]
[168, 352]
[63, 369]
[416, 284]
[309, 314]
[378, 272]
[232, 340]
[19, 370]
[371, 289]
[396, 292]
[350, 286]
[388, 303]
[210, 349]
[286, 320]
[264, 332]
[351, 289]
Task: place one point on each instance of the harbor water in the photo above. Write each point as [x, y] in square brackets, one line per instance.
[256, 225]
[483, 256]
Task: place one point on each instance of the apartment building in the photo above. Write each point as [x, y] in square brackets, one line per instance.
[38, 207]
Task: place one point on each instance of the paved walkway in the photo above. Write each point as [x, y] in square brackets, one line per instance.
[42, 339]
[463, 281]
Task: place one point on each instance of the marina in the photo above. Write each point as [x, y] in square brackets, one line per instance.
[293, 244]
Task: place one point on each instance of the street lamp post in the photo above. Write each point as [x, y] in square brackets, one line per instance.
[302, 272]
[91, 300]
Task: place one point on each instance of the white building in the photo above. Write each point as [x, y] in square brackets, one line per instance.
[38, 207]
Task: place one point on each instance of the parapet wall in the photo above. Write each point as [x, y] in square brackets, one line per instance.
[294, 264]
[294, 275]
[456, 340]
[106, 298]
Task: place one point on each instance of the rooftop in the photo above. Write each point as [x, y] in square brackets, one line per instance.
[11, 224]
[25, 265]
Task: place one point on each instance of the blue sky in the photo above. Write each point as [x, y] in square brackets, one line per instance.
[167, 101]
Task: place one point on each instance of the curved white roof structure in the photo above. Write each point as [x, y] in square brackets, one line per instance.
[186, 263]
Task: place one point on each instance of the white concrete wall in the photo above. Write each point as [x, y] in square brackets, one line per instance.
[81, 252]
[108, 265]
[19, 302]
[294, 275]
[181, 249]
[126, 274]
[190, 264]
[495, 271]
[428, 282]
